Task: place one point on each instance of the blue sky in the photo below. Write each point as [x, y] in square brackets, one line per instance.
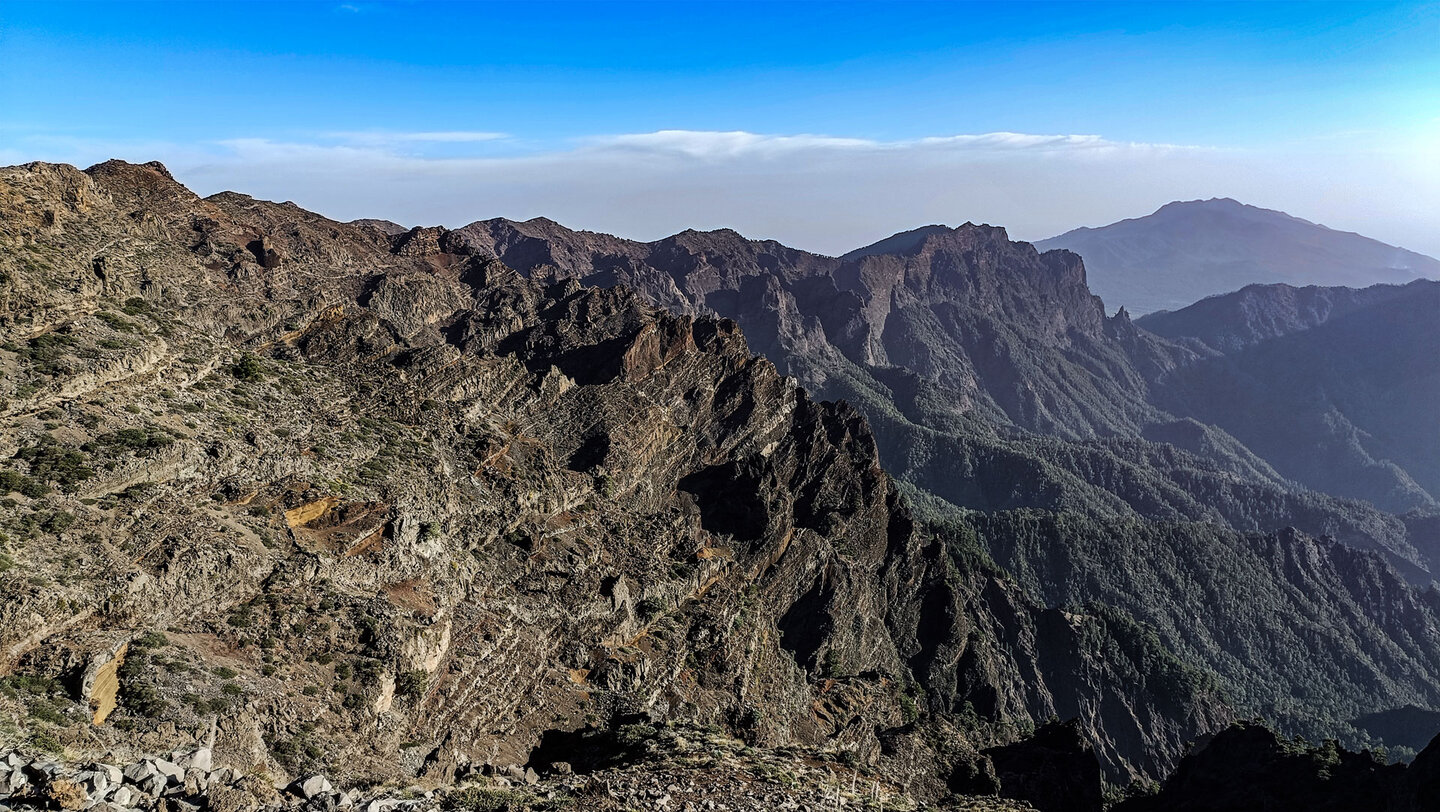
[821, 124]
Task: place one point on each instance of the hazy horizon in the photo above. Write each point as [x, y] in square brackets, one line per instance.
[824, 126]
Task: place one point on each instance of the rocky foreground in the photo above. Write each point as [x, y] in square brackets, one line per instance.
[681, 769]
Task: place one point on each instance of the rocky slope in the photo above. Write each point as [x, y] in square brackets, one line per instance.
[1335, 387]
[669, 768]
[964, 350]
[379, 505]
[1188, 250]
[391, 510]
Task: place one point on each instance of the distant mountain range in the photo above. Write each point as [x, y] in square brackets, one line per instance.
[1188, 250]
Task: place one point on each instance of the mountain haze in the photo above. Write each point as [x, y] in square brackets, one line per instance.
[1188, 250]
[1336, 387]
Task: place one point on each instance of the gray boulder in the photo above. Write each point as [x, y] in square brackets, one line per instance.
[173, 772]
[16, 780]
[199, 759]
[94, 781]
[153, 785]
[311, 786]
[139, 771]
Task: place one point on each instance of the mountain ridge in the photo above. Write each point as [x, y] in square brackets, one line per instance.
[838, 324]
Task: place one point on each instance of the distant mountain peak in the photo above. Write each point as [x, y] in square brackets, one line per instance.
[1209, 203]
[1188, 250]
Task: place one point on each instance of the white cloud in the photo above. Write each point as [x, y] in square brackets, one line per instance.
[818, 192]
[452, 137]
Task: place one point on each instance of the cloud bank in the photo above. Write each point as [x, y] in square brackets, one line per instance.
[818, 192]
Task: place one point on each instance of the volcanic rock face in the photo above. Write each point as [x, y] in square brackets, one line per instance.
[380, 505]
[940, 336]
[951, 306]
[994, 382]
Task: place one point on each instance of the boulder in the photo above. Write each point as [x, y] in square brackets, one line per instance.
[173, 772]
[94, 781]
[112, 773]
[15, 781]
[198, 759]
[311, 786]
[139, 771]
[197, 782]
[153, 785]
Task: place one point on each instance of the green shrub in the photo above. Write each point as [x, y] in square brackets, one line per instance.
[411, 683]
[150, 640]
[631, 735]
[493, 799]
[143, 699]
[142, 442]
[57, 522]
[52, 462]
[46, 743]
[248, 368]
[242, 617]
[19, 483]
[16, 684]
[116, 322]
